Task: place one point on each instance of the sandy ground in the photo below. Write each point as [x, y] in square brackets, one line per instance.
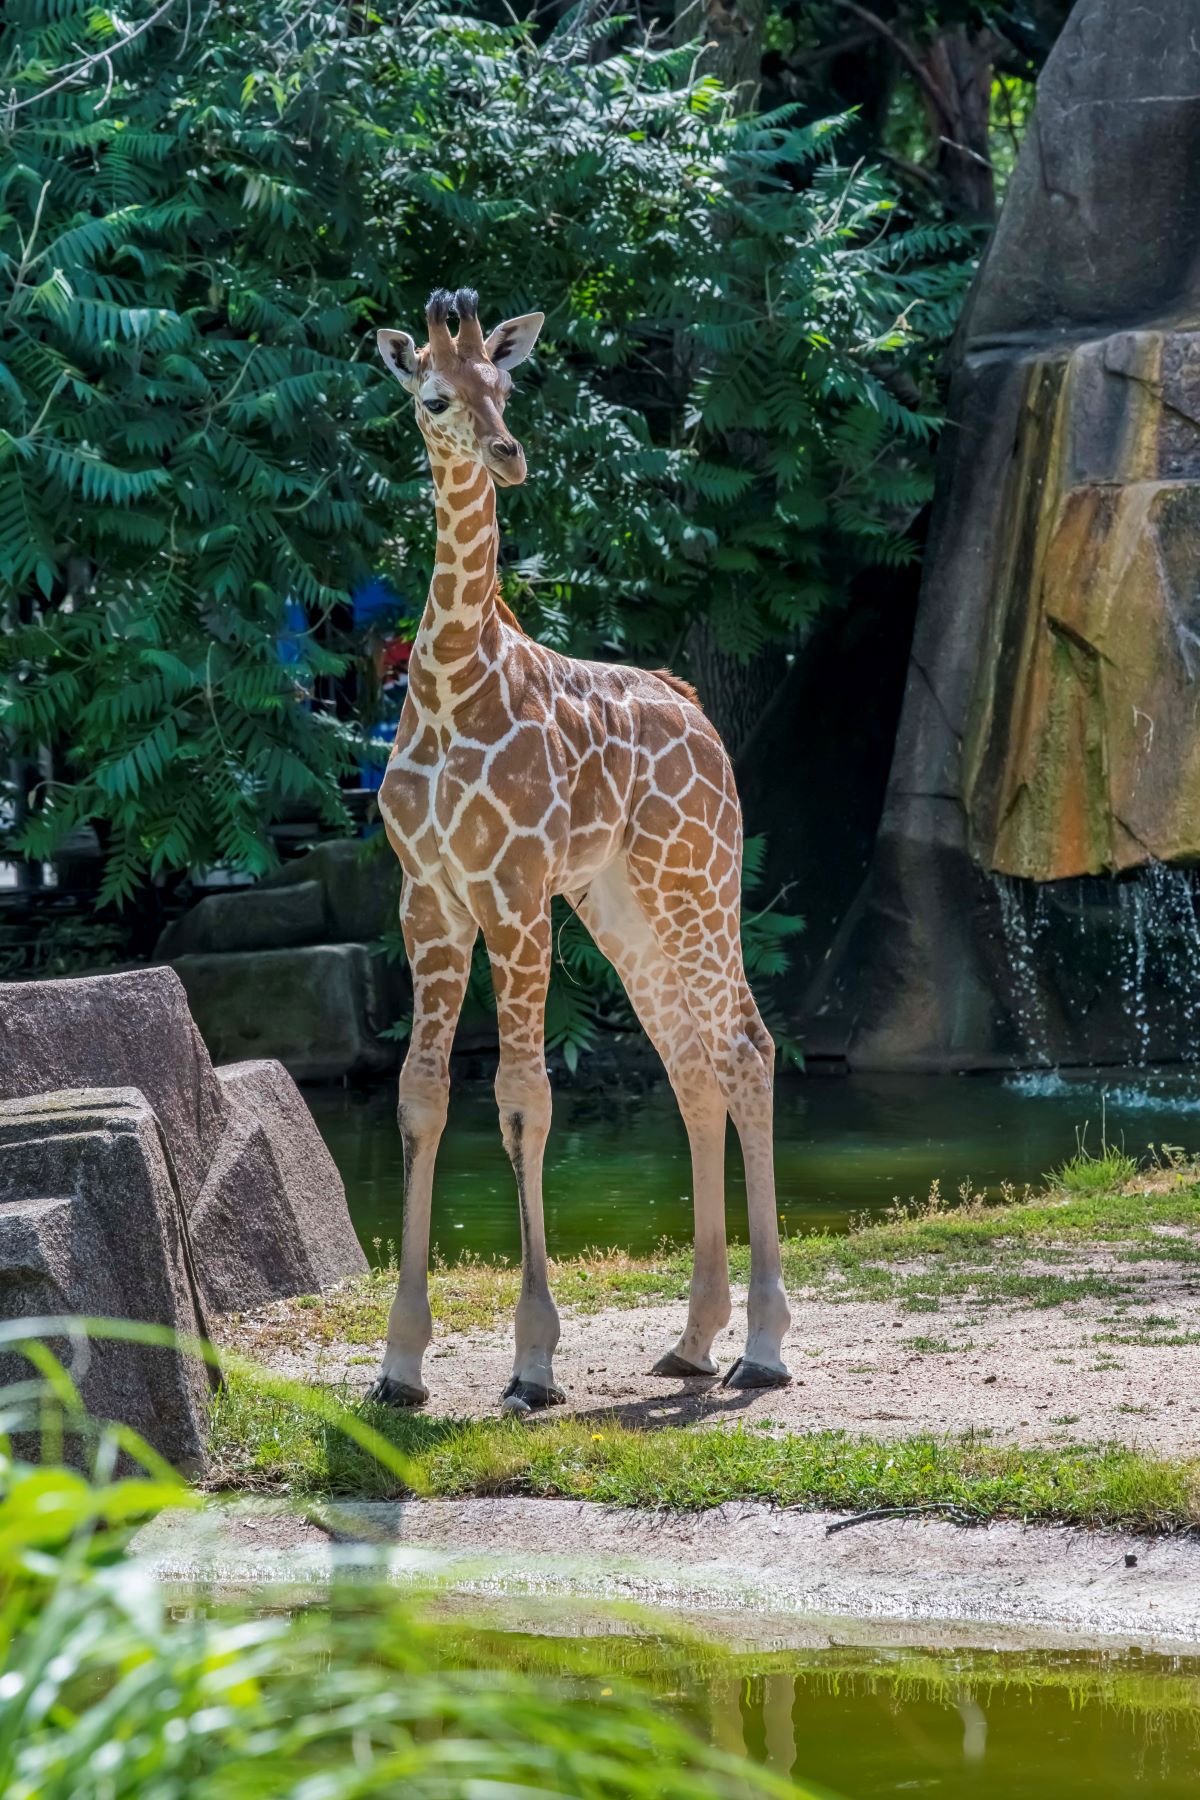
[747, 1571]
[1020, 1375]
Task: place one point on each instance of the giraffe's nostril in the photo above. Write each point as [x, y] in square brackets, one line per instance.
[505, 447]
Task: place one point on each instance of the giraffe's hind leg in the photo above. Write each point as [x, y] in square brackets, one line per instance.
[619, 925]
[688, 882]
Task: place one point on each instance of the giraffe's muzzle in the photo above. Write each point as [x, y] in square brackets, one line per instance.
[506, 461]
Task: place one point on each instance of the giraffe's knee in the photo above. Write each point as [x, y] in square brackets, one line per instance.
[424, 1102]
[523, 1101]
[746, 1076]
[523, 1085]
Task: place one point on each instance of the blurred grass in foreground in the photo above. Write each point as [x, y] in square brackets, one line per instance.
[105, 1694]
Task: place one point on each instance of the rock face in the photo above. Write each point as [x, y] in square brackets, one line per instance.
[289, 969]
[91, 1223]
[1048, 732]
[272, 1181]
[1081, 753]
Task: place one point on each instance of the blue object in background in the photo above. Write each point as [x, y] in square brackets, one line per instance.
[371, 599]
[377, 606]
[295, 628]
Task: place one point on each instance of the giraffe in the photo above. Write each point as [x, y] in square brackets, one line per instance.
[518, 774]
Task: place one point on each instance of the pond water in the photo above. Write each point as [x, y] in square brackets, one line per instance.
[862, 1724]
[954, 1726]
[618, 1173]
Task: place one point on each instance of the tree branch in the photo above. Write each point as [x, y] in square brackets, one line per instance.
[905, 52]
[70, 71]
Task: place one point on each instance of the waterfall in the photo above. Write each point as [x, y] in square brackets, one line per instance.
[1137, 934]
[1022, 924]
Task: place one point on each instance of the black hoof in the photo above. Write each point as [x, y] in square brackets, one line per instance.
[386, 1392]
[743, 1374]
[670, 1364]
[530, 1396]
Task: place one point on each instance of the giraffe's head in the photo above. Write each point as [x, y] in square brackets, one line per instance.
[461, 383]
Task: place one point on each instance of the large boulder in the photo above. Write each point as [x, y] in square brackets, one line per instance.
[264, 1198]
[91, 1223]
[343, 892]
[129, 1030]
[251, 918]
[1047, 734]
[319, 1009]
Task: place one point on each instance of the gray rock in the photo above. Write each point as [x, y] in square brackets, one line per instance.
[286, 968]
[129, 1030]
[1102, 214]
[91, 1223]
[359, 882]
[271, 1219]
[253, 918]
[247, 1159]
[319, 1010]
[343, 892]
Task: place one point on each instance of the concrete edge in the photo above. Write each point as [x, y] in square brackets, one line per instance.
[742, 1573]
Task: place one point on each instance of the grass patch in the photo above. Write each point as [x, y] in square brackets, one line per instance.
[1087, 1174]
[1150, 1340]
[930, 1346]
[916, 1257]
[267, 1441]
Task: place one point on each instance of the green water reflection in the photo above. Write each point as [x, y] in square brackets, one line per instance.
[618, 1173]
[960, 1725]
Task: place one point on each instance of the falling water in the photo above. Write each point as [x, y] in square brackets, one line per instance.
[1160, 958]
[1143, 931]
[1022, 925]
[1137, 923]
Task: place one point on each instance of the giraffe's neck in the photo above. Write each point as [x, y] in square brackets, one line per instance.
[453, 651]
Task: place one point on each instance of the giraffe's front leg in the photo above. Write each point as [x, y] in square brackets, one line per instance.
[438, 936]
[520, 958]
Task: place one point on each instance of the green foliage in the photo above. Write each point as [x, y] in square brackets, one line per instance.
[106, 1695]
[730, 410]
[732, 401]
[1087, 1173]
[189, 428]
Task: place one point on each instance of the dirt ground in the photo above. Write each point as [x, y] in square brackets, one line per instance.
[1017, 1374]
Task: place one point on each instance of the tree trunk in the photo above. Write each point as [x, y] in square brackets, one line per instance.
[731, 32]
[959, 66]
[733, 693]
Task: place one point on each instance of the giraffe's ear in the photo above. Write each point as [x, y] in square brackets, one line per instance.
[511, 342]
[400, 354]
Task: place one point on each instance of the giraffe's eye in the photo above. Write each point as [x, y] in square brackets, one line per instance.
[435, 406]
